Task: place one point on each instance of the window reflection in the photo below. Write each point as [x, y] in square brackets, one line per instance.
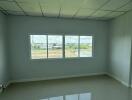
[82, 96]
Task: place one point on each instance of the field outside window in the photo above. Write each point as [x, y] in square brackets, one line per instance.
[38, 46]
[71, 46]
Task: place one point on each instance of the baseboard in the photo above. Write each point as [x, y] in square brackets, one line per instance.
[119, 80]
[60, 77]
[68, 76]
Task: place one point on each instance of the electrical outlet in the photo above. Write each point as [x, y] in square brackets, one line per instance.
[1, 85]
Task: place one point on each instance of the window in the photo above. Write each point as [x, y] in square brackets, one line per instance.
[53, 46]
[71, 46]
[38, 46]
[85, 46]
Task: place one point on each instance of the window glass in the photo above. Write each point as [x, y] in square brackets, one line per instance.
[85, 46]
[71, 46]
[38, 46]
[55, 46]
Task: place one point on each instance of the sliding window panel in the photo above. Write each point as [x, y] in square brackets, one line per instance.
[85, 46]
[71, 46]
[55, 46]
[38, 46]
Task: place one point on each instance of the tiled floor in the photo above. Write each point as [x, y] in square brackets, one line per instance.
[84, 88]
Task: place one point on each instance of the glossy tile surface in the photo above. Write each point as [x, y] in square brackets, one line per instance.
[82, 96]
[84, 88]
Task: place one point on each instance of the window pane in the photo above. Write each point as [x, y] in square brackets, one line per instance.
[55, 46]
[71, 46]
[38, 46]
[85, 46]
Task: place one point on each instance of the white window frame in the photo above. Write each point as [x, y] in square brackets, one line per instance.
[63, 47]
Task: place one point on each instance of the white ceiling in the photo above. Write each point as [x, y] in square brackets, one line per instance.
[96, 9]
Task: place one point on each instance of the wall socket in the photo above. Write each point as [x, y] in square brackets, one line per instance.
[1, 88]
[1, 85]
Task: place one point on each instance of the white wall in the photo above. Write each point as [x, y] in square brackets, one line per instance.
[120, 47]
[23, 68]
[3, 56]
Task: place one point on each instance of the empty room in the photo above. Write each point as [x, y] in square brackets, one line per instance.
[65, 49]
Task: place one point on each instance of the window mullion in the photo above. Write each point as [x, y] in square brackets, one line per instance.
[79, 46]
[47, 46]
[63, 46]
